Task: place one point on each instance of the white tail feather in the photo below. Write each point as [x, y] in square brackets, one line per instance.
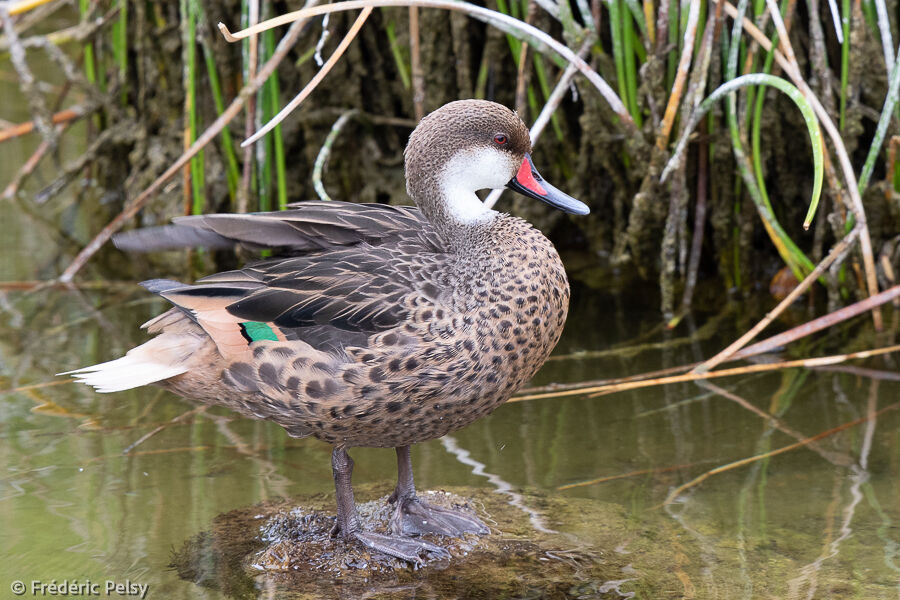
[125, 373]
[161, 358]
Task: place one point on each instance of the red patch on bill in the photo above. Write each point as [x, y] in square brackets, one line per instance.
[527, 180]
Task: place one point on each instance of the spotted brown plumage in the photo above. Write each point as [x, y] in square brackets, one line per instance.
[376, 325]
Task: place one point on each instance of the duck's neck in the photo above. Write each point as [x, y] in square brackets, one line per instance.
[457, 214]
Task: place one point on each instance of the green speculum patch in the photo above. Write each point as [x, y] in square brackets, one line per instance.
[254, 331]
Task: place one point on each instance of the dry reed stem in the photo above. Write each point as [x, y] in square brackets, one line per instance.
[63, 116]
[766, 345]
[787, 364]
[693, 266]
[684, 64]
[651, 25]
[823, 322]
[639, 381]
[893, 144]
[521, 97]
[34, 286]
[865, 241]
[186, 189]
[554, 390]
[533, 35]
[884, 29]
[639, 472]
[284, 46]
[673, 495]
[836, 19]
[23, 6]
[28, 167]
[315, 81]
[325, 153]
[37, 104]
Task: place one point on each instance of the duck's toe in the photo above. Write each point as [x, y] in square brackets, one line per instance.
[414, 516]
[414, 551]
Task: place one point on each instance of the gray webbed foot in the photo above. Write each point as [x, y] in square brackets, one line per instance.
[417, 517]
[414, 551]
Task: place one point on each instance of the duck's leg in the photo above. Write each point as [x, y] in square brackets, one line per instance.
[414, 516]
[349, 528]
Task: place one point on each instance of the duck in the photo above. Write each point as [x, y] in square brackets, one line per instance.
[370, 325]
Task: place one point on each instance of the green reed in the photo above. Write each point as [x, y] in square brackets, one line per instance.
[514, 9]
[189, 38]
[90, 69]
[789, 251]
[120, 49]
[397, 51]
[232, 170]
[271, 105]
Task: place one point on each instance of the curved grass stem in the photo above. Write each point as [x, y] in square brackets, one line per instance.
[812, 125]
[325, 152]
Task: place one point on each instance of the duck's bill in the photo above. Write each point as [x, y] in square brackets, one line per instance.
[530, 183]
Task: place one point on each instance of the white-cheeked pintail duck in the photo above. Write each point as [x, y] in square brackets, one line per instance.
[377, 325]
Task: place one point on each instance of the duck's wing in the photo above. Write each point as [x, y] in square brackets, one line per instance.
[330, 299]
[306, 226]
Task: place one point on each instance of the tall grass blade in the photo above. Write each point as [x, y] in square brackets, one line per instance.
[189, 39]
[756, 121]
[628, 47]
[615, 32]
[120, 49]
[90, 73]
[545, 92]
[273, 94]
[232, 170]
[674, 39]
[397, 53]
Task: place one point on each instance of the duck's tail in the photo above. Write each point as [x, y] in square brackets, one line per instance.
[165, 356]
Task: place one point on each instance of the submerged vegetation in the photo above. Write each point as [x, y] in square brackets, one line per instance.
[676, 121]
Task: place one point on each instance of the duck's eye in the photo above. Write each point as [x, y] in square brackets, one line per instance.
[500, 139]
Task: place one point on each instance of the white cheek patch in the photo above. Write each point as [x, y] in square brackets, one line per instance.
[471, 170]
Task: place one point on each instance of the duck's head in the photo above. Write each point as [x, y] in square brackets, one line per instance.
[471, 145]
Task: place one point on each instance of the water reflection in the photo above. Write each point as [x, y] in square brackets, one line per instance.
[503, 487]
[816, 520]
